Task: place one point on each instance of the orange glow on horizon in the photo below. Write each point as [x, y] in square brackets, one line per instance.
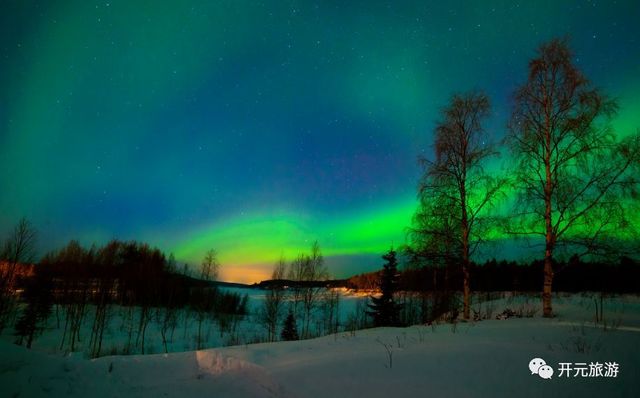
[247, 274]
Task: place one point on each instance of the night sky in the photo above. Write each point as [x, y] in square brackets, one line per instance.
[256, 128]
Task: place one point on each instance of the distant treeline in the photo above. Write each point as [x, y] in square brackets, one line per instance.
[570, 276]
[130, 273]
[89, 282]
[288, 283]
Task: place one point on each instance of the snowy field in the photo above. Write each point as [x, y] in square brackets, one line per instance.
[465, 359]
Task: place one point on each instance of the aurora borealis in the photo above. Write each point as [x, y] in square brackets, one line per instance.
[256, 128]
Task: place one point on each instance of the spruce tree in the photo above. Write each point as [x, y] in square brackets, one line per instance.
[384, 310]
[290, 331]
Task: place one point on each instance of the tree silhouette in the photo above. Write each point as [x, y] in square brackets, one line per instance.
[307, 268]
[433, 243]
[572, 173]
[455, 191]
[384, 310]
[290, 330]
[270, 313]
[19, 248]
[39, 300]
[210, 266]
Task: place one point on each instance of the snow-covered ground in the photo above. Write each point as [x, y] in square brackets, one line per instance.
[475, 359]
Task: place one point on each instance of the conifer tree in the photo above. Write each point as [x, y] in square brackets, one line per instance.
[290, 331]
[384, 310]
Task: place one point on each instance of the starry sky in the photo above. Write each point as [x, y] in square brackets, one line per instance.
[256, 128]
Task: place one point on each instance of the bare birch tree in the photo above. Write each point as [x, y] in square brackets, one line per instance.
[572, 172]
[210, 266]
[305, 270]
[19, 248]
[273, 304]
[457, 175]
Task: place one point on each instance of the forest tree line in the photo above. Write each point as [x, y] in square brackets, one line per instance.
[75, 282]
[574, 275]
